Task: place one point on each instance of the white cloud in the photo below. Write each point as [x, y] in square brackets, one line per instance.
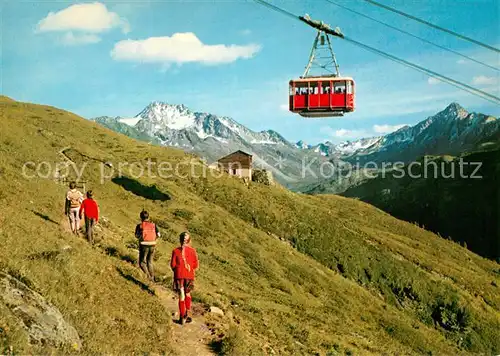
[71, 39]
[348, 134]
[246, 32]
[344, 133]
[284, 107]
[180, 48]
[484, 80]
[90, 17]
[461, 61]
[433, 81]
[385, 129]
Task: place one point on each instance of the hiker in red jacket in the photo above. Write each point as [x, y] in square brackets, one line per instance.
[147, 233]
[184, 263]
[90, 209]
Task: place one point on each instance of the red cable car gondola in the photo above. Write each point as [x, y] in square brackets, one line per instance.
[322, 96]
[325, 95]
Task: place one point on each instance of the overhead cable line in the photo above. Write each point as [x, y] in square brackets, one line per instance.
[275, 8]
[433, 25]
[487, 96]
[326, 28]
[412, 35]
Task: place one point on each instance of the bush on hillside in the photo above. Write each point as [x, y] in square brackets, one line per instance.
[183, 214]
[450, 315]
[234, 343]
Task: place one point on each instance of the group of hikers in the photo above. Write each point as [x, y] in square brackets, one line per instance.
[184, 260]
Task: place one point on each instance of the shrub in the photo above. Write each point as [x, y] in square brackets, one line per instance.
[234, 343]
[183, 214]
[450, 315]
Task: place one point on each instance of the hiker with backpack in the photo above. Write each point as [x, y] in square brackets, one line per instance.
[90, 210]
[74, 199]
[147, 233]
[184, 263]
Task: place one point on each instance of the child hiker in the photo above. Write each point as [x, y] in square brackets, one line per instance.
[72, 205]
[184, 263]
[147, 233]
[90, 209]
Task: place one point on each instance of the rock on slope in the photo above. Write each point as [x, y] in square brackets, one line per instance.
[42, 321]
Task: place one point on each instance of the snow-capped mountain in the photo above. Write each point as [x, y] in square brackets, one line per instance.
[359, 146]
[322, 148]
[124, 126]
[451, 131]
[347, 148]
[212, 137]
[176, 125]
[302, 145]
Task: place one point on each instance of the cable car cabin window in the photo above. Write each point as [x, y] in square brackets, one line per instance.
[300, 89]
[325, 88]
[339, 87]
[349, 87]
[313, 88]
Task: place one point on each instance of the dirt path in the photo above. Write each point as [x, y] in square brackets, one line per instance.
[65, 226]
[188, 339]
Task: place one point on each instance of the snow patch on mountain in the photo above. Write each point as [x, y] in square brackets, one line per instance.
[348, 147]
[263, 142]
[176, 117]
[302, 145]
[233, 126]
[129, 121]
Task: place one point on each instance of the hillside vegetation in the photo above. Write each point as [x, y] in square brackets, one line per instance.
[295, 274]
[463, 206]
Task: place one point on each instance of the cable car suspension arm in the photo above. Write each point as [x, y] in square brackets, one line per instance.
[320, 40]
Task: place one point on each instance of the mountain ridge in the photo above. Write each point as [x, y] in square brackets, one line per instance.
[213, 137]
[161, 119]
[450, 131]
[464, 131]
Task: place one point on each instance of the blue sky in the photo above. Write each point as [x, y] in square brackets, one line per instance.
[235, 58]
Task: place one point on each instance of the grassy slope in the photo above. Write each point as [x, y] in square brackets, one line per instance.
[467, 210]
[356, 279]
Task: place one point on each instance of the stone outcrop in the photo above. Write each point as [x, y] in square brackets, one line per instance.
[42, 321]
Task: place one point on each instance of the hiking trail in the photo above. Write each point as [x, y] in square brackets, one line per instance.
[189, 339]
